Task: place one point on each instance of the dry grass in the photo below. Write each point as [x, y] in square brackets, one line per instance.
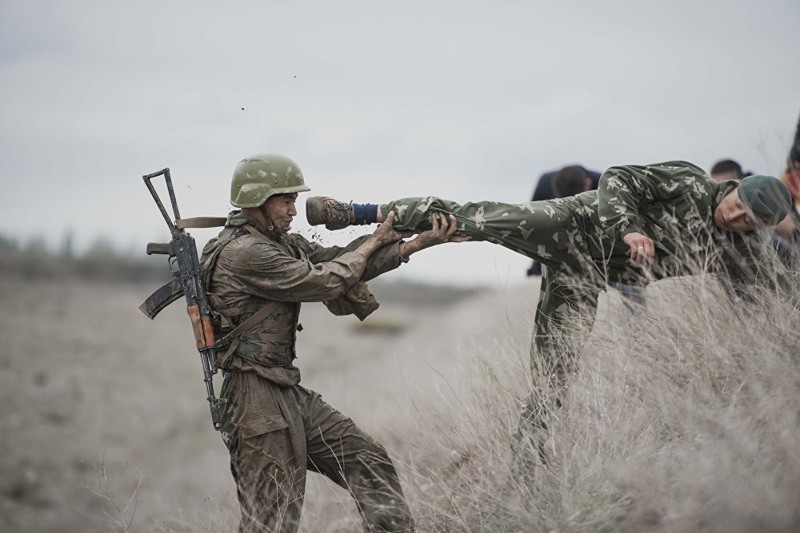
[682, 418]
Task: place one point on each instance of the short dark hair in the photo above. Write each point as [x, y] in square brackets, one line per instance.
[727, 165]
[570, 181]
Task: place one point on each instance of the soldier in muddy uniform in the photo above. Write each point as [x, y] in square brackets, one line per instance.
[256, 274]
[668, 217]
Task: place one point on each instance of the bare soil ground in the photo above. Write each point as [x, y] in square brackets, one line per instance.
[683, 417]
[101, 405]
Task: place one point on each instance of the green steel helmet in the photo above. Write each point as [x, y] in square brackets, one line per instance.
[258, 177]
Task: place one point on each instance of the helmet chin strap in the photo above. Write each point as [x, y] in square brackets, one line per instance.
[262, 208]
[270, 225]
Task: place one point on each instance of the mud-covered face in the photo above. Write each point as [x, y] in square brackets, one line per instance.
[732, 215]
[280, 210]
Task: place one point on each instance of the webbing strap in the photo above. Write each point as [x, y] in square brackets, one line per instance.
[200, 222]
[252, 230]
[262, 314]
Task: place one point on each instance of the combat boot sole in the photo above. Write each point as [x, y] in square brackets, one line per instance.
[325, 210]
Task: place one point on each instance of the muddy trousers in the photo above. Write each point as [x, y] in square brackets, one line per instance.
[552, 232]
[275, 434]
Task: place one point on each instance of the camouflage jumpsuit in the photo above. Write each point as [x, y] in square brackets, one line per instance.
[274, 428]
[578, 239]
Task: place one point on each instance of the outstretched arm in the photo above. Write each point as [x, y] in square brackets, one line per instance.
[270, 273]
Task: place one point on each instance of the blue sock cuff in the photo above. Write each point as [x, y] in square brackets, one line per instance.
[365, 213]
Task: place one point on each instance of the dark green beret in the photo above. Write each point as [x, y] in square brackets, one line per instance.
[767, 197]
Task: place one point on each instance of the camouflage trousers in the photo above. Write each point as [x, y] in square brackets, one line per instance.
[578, 264]
[558, 233]
[274, 434]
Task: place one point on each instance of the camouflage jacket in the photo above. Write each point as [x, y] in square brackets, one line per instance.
[243, 272]
[673, 203]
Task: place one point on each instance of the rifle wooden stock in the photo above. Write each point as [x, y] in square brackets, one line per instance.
[203, 328]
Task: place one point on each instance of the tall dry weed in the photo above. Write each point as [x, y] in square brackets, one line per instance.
[684, 416]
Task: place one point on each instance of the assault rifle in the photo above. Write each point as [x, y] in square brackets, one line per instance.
[186, 281]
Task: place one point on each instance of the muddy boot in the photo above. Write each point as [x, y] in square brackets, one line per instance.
[333, 213]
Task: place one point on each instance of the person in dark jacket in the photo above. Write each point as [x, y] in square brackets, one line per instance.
[573, 177]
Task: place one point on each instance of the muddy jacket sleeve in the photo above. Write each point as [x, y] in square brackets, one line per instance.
[267, 270]
[625, 191]
[383, 260]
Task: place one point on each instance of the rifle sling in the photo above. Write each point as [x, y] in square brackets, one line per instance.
[200, 222]
[262, 314]
[252, 231]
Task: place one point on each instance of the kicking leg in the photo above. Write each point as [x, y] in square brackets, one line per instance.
[531, 228]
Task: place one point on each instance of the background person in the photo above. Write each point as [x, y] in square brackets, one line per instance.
[786, 239]
[573, 177]
[727, 169]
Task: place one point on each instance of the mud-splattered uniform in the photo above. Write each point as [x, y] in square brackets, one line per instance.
[274, 428]
[579, 239]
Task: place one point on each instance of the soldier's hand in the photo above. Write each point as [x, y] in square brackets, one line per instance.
[443, 228]
[386, 234]
[642, 247]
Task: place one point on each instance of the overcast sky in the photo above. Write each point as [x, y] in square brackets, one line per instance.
[374, 100]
